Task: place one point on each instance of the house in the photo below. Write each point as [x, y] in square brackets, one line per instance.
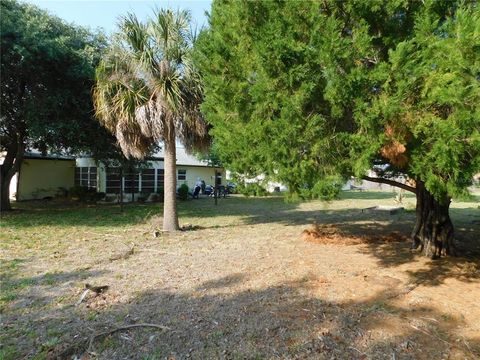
[149, 179]
[43, 176]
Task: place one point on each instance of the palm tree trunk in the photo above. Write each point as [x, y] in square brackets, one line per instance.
[170, 216]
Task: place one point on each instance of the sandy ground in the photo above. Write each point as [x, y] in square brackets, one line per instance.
[244, 283]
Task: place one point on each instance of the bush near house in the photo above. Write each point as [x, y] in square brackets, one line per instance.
[183, 192]
[253, 189]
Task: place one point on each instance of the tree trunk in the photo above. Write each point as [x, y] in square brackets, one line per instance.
[5, 193]
[11, 164]
[433, 230]
[170, 217]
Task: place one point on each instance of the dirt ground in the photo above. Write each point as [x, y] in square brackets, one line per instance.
[243, 282]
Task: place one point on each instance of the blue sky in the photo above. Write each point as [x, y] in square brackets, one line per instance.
[104, 13]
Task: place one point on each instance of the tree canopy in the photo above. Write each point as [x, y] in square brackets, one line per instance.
[47, 69]
[306, 92]
[302, 91]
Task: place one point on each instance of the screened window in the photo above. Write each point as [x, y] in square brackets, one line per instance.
[148, 180]
[86, 176]
[113, 181]
[131, 182]
[134, 181]
[160, 179]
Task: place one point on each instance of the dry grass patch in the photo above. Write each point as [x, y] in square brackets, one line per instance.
[331, 234]
[242, 283]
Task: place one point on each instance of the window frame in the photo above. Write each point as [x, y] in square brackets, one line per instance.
[184, 175]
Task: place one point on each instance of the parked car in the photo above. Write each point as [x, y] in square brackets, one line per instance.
[232, 188]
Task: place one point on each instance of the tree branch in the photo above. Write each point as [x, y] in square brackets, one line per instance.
[390, 182]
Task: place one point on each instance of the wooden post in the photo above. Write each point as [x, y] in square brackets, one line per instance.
[121, 189]
[215, 191]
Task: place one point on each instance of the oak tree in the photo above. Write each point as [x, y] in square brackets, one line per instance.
[47, 73]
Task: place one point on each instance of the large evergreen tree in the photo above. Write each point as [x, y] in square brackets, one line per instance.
[301, 91]
[47, 72]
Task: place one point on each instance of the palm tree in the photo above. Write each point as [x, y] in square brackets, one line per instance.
[147, 91]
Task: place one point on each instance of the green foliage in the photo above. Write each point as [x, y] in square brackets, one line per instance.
[146, 88]
[47, 71]
[251, 189]
[328, 188]
[183, 192]
[302, 91]
[431, 101]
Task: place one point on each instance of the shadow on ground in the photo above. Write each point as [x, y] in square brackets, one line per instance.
[217, 320]
[284, 321]
[27, 293]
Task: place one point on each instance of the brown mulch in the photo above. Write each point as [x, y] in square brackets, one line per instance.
[331, 234]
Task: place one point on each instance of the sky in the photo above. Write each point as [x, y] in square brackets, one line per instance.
[104, 14]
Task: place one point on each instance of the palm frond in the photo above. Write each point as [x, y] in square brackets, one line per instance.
[146, 84]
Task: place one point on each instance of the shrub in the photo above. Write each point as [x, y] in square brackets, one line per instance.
[155, 197]
[78, 191]
[252, 189]
[183, 192]
[327, 189]
[61, 192]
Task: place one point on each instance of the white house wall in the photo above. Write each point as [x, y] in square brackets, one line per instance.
[192, 173]
[198, 172]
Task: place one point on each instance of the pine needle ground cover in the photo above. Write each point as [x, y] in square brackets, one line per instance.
[242, 281]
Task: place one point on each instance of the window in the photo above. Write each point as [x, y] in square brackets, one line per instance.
[86, 176]
[182, 175]
[130, 182]
[160, 179]
[114, 182]
[148, 180]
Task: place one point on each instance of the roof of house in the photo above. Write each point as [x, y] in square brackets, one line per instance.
[183, 158]
[38, 155]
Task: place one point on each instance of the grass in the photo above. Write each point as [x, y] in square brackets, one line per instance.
[244, 265]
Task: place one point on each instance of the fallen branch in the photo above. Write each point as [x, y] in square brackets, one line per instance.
[126, 327]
